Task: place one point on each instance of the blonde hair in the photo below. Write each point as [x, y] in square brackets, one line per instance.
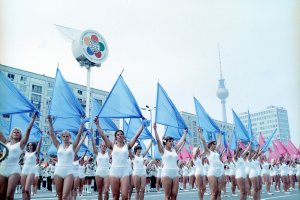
[11, 133]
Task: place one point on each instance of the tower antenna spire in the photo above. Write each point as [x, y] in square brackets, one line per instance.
[220, 63]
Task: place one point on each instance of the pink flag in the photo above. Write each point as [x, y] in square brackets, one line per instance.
[242, 145]
[261, 139]
[281, 148]
[185, 154]
[292, 148]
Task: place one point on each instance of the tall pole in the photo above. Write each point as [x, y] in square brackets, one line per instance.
[152, 154]
[87, 108]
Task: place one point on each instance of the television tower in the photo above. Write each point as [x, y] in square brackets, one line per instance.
[222, 92]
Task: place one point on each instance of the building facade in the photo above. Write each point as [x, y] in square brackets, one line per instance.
[192, 123]
[39, 88]
[267, 120]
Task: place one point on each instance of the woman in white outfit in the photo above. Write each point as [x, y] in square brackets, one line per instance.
[28, 170]
[102, 170]
[232, 172]
[76, 169]
[192, 169]
[139, 171]
[284, 174]
[199, 174]
[185, 174]
[298, 172]
[36, 177]
[118, 173]
[216, 167]
[63, 175]
[158, 167]
[253, 175]
[266, 173]
[10, 169]
[169, 173]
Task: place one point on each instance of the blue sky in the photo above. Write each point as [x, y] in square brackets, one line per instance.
[175, 42]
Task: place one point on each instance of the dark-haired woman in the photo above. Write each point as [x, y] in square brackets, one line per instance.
[9, 168]
[139, 171]
[28, 170]
[118, 173]
[169, 173]
[216, 167]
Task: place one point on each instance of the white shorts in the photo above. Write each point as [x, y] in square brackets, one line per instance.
[7, 170]
[119, 172]
[217, 172]
[139, 172]
[264, 172]
[252, 174]
[240, 174]
[171, 173]
[63, 171]
[28, 169]
[102, 172]
[199, 172]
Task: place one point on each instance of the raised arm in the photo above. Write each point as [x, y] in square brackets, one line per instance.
[206, 150]
[77, 139]
[2, 138]
[247, 149]
[135, 137]
[24, 140]
[159, 144]
[51, 132]
[236, 152]
[219, 141]
[196, 153]
[146, 151]
[107, 142]
[80, 143]
[38, 148]
[95, 150]
[179, 149]
[182, 139]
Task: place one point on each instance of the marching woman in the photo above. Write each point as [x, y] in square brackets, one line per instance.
[63, 175]
[240, 173]
[266, 173]
[169, 173]
[298, 172]
[199, 175]
[232, 171]
[81, 176]
[118, 173]
[216, 167]
[28, 170]
[9, 168]
[36, 177]
[139, 171]
[76, 168]
[185, 174]
[284, 175]
[158, 174]
[102, 170]
[253, 175]
[192, 169]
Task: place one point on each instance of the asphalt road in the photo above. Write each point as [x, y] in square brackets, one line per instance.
[182, 195]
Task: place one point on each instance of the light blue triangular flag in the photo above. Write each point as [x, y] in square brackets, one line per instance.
[268, 141]
[106, 123]
[144, 148]
[64, 104]
[233, 142]
[120, 103]
[21, 121]
[240, 130]
[166, 112]
[254, 141]
[12, 100]
[4, 126]
[157, 155]
[133, 126]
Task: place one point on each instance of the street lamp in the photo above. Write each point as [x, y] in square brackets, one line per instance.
[147, 108]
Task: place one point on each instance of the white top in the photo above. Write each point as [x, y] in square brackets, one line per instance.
[214, 161]
[284, 170]
[192, 171]
[138, 162]
[232, 168]
[185, 171]
[240, 164]
[265, 168]
[29, 159]
[119, 156]
[14, 154]
[169, 159]
[298, 170]
[65, 157]
[102, 160]
[199, 166]
[76, 166]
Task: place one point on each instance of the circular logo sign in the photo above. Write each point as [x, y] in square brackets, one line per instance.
[94, 46]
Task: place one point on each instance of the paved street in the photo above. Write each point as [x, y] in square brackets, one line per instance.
[181, 196]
